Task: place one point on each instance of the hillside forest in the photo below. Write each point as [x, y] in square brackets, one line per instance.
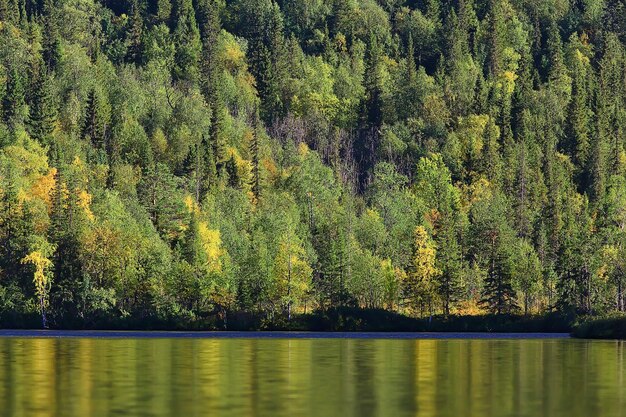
[185, 159]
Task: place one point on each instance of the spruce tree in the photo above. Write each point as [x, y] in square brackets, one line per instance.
[450, 263]
[14, 99]
[135, 33]
[267, 56]
[65, 297]
[371, 117]
[51, 43]
[578, 124]
[408, 105]
[42, 107]
[97, 121]
[211, 67]
[163, 10]
[187, 40]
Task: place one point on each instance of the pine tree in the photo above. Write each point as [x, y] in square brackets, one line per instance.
[187, 40]
[14, 100]
[211, 71]
[558, 77]
[371, 118]
[42, 107]
[234, 180]
[493, 238]
[496, 43]
[51, 38]
[204, 172]
[611, 118]
[11, 11]
[450, 264]
[408, 103]
[135, 33]
[16, 231]
[191, 246]
[65, 293]
[264, 29]
[163, 10]
[498, 294]
[578, 127]
[97, 121]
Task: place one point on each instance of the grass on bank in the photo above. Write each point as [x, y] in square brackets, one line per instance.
[337, 319]
[612, 327]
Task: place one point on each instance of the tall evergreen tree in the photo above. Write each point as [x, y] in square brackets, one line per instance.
[51, 44]
[265, 31]
[371, 117]
[211, 71]
[578, 128]
[42, 107]
[135, 33]
[97, 120]
[187, 40]
[13, 103]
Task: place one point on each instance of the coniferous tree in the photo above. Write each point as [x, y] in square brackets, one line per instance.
[43, 113]
[211, 71]
[371, 117]
[187, 40]
[14, 99]
[135, 33]
[264, 27]
[97, 120]
[408, 104]
[579, 129]
[51, 43]
[65, 298]
[450, 264]
[493, 237]
[163, 10]
[610, 110]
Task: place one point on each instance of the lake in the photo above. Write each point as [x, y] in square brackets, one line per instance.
[278, 376]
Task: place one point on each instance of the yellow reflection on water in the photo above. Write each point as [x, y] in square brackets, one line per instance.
[316, 377]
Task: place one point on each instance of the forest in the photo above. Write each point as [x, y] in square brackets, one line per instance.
[182, 160]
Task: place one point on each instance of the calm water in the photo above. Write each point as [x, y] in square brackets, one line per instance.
[311, 377]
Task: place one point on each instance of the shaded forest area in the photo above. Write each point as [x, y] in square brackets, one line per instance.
[184, 161]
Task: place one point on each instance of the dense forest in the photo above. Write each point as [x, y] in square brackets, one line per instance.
[185, 159]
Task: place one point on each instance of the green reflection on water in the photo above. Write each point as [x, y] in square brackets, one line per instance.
[321, 377]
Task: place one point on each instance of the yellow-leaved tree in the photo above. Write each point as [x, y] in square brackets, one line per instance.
[39, 257]
[292, 272]
[420, 285]
[218, 288]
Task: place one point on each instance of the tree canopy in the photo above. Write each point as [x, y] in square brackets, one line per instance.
[180, 159]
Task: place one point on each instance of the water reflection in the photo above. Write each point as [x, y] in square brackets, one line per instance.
[332, 377]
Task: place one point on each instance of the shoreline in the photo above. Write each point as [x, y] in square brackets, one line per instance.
[147, 334]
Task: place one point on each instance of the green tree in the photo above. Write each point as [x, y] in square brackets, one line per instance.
[97, 120]
[492, 242]
[450, 263]
[43, 112]
[263, 25]
[211, 69]
[371, 117]
[13, 103]
[186, 36]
